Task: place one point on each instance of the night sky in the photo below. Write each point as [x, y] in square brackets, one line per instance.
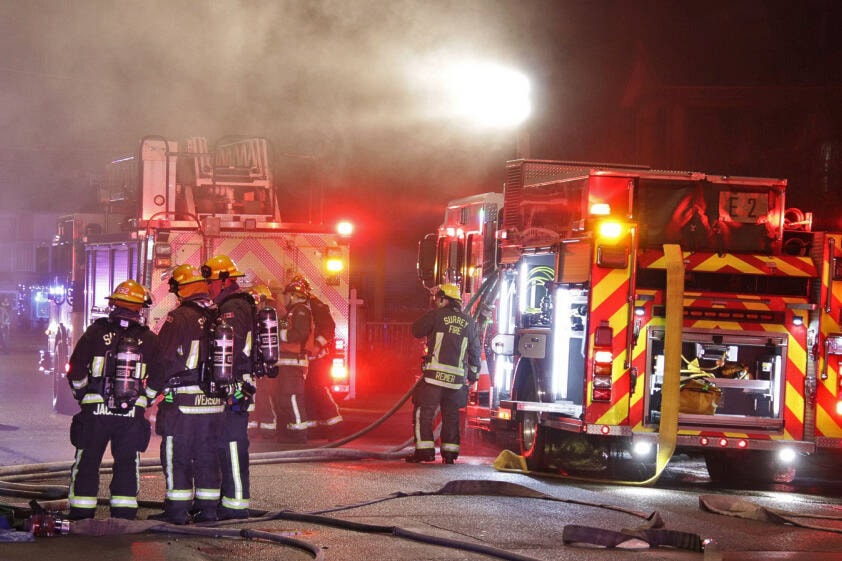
[337, 86]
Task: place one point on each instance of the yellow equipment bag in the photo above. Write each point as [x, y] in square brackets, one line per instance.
[698, 394]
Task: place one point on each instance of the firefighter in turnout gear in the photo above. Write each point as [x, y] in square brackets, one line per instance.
[237, 308]
[264, 422]
[107, 371]
[189, 417]
[452, 361]
[321, 407]
[296, 328]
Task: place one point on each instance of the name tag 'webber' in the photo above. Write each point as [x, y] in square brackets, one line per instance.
[446, 378]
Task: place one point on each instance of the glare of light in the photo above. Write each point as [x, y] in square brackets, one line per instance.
[338, 371]
[610, 230]
[600, 209]
[345, 228]
[488, 94]
[561, 342]
[641, 448]
[334, 265]
[786, 455]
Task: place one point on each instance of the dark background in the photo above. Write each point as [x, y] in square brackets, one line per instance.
[341, 88]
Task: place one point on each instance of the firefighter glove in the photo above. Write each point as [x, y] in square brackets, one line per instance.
[242, 398]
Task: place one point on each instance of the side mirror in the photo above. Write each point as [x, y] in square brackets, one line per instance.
[427, 249]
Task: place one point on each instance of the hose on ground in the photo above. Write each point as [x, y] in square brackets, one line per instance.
[303, 545]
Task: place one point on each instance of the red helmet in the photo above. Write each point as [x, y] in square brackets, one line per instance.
[298, 285]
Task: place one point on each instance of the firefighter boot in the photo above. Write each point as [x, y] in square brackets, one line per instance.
[448, 458]
[178, 520]
[421, 456]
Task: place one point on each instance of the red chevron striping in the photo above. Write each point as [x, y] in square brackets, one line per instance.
[793, 420]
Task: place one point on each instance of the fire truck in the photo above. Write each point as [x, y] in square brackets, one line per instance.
[176, 202]
[632, 313]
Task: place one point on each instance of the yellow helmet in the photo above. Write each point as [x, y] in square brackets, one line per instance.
[132, 292]
[449, 290]
[184, 274]
[261, 291]
[220, 267]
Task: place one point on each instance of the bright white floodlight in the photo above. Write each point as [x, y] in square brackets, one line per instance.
[489, 94]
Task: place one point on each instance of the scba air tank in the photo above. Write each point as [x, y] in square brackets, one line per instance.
[127, 375]
[223, 354]
[267, 334]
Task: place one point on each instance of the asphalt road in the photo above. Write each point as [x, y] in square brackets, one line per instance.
[379, 508]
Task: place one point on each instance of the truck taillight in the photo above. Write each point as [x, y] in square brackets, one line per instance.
[338, 370]
[603, 359]
[601, 388]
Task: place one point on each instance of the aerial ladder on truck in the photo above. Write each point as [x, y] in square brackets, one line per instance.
[176, 202]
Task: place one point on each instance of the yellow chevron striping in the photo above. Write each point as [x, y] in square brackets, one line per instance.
[716, 263]
[794, 402]
[827, 422]
[607, 286]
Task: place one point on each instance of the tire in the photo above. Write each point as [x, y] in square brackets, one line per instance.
[532, 439]
[63, 401]
[531, 435]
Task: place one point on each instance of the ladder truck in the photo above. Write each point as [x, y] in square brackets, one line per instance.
[175, 202]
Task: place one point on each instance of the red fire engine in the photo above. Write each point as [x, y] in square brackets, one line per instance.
[630, 313]
[182, 202]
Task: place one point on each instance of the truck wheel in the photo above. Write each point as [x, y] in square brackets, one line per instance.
[63, 401]
[532, 437]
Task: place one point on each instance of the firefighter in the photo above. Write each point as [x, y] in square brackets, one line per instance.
[453, 358]
[190, 415]
[237, 308]
[295, 330]
[106, 373]
[321, 407]
[264, 423]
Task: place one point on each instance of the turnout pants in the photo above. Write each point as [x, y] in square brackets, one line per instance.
[189, 457]
[289, 403]
[234, 461]
[322, 409]
[90, 434]
[426, 399]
